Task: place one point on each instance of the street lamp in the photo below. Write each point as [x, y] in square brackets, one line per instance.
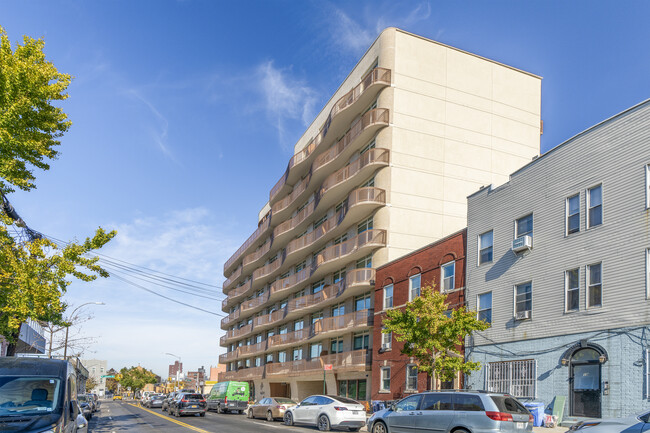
[67, 328]
[179, 366]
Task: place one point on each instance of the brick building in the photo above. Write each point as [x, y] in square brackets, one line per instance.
[442, 264]
[176, 367]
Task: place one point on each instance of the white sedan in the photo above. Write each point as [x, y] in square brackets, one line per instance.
[327, 412]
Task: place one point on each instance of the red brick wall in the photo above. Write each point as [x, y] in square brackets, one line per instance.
[425, 261]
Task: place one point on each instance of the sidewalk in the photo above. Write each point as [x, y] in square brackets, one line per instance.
[550, 430]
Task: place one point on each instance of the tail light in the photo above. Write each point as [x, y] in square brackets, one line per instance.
[202, 401]
[280, 407]
[225, 400]
[184, 401]
[531, 419]
[499, 416]
[340, 408]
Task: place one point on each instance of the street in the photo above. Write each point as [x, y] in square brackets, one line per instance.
[128, 416]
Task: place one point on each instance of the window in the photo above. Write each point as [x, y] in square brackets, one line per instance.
[485, 247]
[572, 289]
[595, 206]
[484, 303]
[338, 276]
[523, 300]
[297, 354]
[283, 329]
[336, 345]
[315, 317]
[411, 377]
[355, 389]
[364, 225]
[269, 358]
[362, 302]
[365, 262]
[315, 350]
[317, 286]
[517, 378]
[414, 287]
[340, 206]
[369, 183]
[298, 325]
[524, 226]
[366, 148]
[320, 221]
[595, 285]
[409, 403]
[341, 239]
[300, 266]
[385, 379]
[386, 339]
[338, 310]
[436, 402]
[465, 402]
[573, 214]
[360, 341]
[258, 361]
[388, 296]
[447, 272]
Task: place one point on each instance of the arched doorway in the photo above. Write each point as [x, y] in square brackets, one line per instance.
[585, 383]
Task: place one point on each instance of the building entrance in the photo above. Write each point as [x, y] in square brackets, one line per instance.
[585, 383]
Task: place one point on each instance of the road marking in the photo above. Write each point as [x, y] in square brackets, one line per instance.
[191, 427]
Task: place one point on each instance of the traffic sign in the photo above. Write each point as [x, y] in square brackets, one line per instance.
[109, 375]
[328, 366]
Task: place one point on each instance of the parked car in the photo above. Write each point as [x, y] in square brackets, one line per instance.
[96, 399]
[117, 397]
[327, 412]
[166, 400]
[187, 404]
[86, 409]
[38, 395]
[270, 408]
[453, 410]
[85, 398]
[155, 400]
[632, 423]
[81, 421]
[228, 396]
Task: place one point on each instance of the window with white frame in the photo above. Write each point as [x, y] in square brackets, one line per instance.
[572, 289]
[447, 273]
[365, 262]
[485, 242]
[573, 214]
[414, 287]
[517, 378]
[595, 206]
[411, 377]
[297, 354]
[385, 379]
[365, 225]
[386, 339]
[595, 285]
[524, 226]
[484, 307]
[388, 296]
[523, 300]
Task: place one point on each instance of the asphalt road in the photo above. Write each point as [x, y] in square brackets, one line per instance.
[127, 416]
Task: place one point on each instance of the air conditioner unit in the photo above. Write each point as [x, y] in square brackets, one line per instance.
[385, 346]
[522, 243]
[523, 315]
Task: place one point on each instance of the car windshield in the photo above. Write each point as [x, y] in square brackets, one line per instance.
[28, 395]
[285, 401]
[193, 396]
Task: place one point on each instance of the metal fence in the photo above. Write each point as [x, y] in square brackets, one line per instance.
[518, 378]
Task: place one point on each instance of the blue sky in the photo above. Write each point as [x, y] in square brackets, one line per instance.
[185, 114]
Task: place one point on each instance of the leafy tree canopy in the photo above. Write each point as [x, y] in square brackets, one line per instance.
[432, 337]
[136, 378]
[30, 124]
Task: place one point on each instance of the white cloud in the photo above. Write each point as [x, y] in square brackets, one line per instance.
[286, 99]
[138, 327]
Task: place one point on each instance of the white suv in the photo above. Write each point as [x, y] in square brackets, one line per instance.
[327, 412]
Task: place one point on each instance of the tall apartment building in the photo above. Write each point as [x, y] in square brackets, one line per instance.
[384, 169]
[558, 261]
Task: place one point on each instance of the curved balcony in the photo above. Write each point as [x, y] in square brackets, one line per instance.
[230, 318]
[225, 358]
[255, 304]
[236, 295]
[352, 249]
[229, 283]
[260, 275]
[252, 349]
[330, 295]
[336, 324]
[281, 287]
[356, 360]
[280, 208]
[362, 93]
[268, 320]
[229, 266]
[299, 220]
[289, 338]
[257, 255]
[235, 334]
[242, 374]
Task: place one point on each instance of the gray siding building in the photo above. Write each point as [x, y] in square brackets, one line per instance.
[558, 261]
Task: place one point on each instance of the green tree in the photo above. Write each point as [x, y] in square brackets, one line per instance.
[33, 274]
[91, 383]
[136, 378]
[432, 337]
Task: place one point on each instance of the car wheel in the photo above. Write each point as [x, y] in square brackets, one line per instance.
[269, 416]
[202, 414]
[288, 418]
[379, 427]
[323, 423]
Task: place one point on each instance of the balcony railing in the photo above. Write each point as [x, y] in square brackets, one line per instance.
[251, 239]
[256, 255]
[225, 358]
[360, 276]
[290, 281]
[297, 219]
[334, 252]
[358, 360]
[289, 338]
[230, 318]
[236, 293]
[242, 374]
[268, 319]
[337, 323]
[238, 333]
[286, 202]
[372, 156]
[329, 292]
[377, 75]
[232, 278]
[255, 302]
[267, 269]
[252, 349]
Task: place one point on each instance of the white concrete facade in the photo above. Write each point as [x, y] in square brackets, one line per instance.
[97, 369]
[384, 169]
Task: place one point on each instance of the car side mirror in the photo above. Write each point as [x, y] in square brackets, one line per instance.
[394, 408]
[81, 422]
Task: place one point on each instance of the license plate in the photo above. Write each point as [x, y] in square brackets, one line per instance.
[193, 406]
[231, 404]
[520, 425]
[355, 412]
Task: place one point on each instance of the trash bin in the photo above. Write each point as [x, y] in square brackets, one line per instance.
[536, 408]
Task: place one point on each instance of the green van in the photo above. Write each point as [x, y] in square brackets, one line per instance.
[228, 396]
